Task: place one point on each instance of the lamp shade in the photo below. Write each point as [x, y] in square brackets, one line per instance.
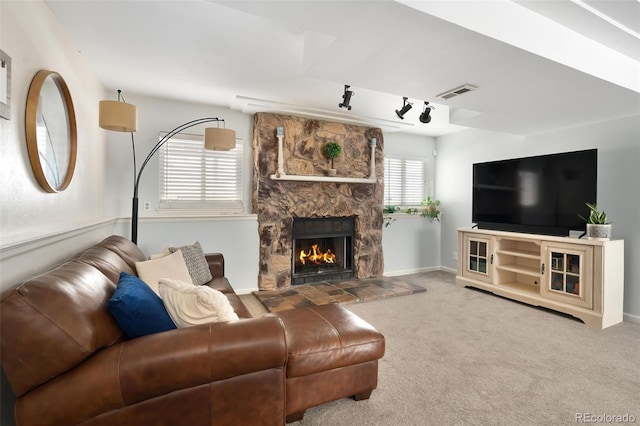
[219, 139]
[118, 116]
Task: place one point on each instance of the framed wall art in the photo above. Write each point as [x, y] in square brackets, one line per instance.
[5, 86]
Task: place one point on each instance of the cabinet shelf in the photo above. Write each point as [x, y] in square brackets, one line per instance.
[520, 269]
[523, 288]
[520, 253]
[561, 272]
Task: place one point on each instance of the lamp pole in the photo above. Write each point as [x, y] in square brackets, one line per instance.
[156, 147]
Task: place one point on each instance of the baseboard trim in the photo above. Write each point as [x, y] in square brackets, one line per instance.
[635, 319]
[244, 291]
[412, 271]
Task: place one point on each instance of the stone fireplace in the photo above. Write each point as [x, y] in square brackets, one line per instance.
[283, 205]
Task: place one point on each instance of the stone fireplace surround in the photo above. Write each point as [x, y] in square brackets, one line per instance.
[277, 202]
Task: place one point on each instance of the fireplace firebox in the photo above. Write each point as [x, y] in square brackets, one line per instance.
[322, 249]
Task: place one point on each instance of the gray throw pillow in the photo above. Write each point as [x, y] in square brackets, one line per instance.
[196, 263]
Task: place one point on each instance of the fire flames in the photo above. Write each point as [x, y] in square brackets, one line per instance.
[316, 256]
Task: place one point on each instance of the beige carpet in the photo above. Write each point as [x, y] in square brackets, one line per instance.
[457, 356]
[343, 292]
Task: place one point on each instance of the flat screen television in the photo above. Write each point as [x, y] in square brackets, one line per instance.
[542, 195]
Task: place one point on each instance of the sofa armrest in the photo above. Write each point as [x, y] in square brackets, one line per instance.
[151, 366]
[216, 264]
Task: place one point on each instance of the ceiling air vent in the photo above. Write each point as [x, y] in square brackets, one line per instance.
[456, 92]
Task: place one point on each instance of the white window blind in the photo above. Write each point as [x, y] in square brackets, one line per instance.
[192, 177]
[405, 182]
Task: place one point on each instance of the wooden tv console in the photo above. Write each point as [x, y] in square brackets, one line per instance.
[580, 277]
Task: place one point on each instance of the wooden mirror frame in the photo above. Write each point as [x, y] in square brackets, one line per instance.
[33, 99]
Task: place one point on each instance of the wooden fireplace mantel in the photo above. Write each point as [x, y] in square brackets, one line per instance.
[324, 178]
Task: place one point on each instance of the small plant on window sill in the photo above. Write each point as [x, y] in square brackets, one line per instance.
[431, 210]
[388, 220]
[386, 211]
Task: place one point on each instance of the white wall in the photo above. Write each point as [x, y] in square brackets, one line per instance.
[618, 144]
[26, 211]
[411, 243]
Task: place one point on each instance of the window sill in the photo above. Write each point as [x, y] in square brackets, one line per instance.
[400, 214]
[181, 214]
[408, 215]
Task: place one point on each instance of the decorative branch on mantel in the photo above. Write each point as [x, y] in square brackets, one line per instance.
[282, 175]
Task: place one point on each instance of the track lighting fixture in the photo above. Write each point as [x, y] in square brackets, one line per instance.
[346, 98]
[406, 106]
[425, 117]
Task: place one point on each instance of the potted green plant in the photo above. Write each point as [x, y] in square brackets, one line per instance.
[332, 150]
[431, 210]
[387, 211]
[598, 226]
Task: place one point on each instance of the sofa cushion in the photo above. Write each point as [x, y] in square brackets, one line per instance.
[137, 309]
[172, 266]
[189, 305]
[222, 285]
[106, 261]
[55, 321]
[164, 252]
[124, 248]
[323, 338]
[196, 263]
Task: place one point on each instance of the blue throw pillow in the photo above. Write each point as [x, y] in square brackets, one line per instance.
[138, 309]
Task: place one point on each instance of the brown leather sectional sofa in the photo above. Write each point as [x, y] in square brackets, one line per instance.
[68, 361]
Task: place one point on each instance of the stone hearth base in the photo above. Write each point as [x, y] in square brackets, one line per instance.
[343, 292]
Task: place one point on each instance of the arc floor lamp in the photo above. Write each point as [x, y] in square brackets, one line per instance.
[120, 116]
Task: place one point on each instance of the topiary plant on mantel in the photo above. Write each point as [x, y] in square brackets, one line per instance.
[332, 150]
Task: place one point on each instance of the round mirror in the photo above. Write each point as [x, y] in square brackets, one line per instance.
[51, 131]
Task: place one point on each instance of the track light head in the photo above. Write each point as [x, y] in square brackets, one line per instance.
[406, 106]
[425, 117]
[346, 98]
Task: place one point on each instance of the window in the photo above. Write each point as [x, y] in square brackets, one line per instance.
[405, 182]
[192, 177]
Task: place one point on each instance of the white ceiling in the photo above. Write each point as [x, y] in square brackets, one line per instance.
[538, 65]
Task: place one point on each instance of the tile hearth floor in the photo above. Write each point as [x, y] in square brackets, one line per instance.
[343, 292]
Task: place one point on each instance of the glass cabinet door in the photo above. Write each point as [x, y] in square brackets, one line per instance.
[567, 278]
[478, 257]
[565, 273]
